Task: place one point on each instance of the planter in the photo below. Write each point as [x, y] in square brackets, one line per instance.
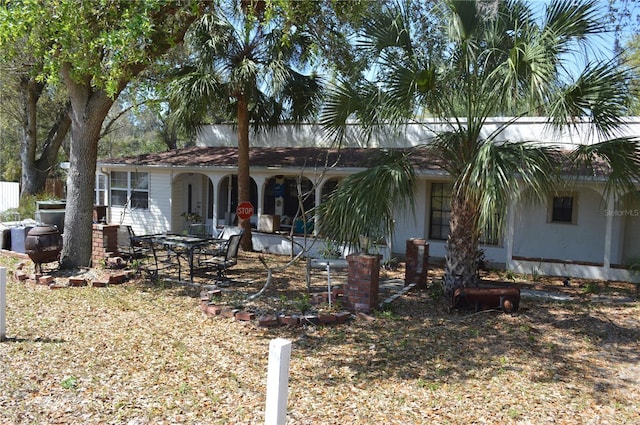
[213, 310]
[310, 319]
[327, 318]
[289, 320]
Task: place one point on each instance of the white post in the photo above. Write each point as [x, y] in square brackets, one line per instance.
[3, 303]
[277, 382]
[329, 282]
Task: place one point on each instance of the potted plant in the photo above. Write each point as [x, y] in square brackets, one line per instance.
[191, 217]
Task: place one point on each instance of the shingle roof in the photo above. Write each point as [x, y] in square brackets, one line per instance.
[284, 157]
[422, 159]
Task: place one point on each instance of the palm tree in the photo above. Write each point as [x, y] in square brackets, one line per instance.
[494, 59]
[353, 210]
[244, 69]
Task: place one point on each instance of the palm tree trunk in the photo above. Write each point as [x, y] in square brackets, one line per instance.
[462, 246]
[244, 179]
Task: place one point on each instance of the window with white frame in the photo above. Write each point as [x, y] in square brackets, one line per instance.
[130, 188]
[101, 189]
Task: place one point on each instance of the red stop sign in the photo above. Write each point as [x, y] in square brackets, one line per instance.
[244, 210]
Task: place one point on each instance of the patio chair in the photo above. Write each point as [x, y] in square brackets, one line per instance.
[224, 260]
[199, 229]
[217, 246]
[129, 245]
[158, 258]
[228, 231]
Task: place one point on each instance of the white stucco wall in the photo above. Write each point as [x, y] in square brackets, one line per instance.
[536, 237]
[533, 129]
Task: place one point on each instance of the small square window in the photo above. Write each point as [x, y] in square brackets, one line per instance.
[562, 209]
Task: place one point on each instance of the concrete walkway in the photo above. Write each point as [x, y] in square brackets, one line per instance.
[558, 296]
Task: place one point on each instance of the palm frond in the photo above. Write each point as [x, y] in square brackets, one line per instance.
[496, 174]
[449, 147]
[569, 21]
[365, 203]
[341, 103]
[363, 101]
[464, 19]
[388, 28]
[598, 94]
[618, 160]
[303, 94]
[190, 98]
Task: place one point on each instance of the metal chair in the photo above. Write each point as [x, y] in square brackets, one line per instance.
[199, 229]
[157, 259]
[224, 261]
[129, 245]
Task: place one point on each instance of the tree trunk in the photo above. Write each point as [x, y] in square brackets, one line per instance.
[244, 177]
[462, 246]
[35, 172]
[89, 109]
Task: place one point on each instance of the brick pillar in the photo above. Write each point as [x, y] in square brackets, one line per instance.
[417, 255]
[363, 279]
[105, 242]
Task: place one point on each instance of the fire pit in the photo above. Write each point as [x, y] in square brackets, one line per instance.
[43, 245]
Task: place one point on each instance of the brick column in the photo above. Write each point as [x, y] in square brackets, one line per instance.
[417, 255]
[363, 281]
[104, 243]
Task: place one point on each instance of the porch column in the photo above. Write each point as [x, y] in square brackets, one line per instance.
[215, 181]
[260, 185]
[608, 234]
[509, 233]
[318, 199]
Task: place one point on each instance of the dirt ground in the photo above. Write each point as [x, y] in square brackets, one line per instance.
[143, 353]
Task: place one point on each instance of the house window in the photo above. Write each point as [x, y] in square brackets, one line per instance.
[130, 188]
[440, 211]
[563, 209]
[101, 189]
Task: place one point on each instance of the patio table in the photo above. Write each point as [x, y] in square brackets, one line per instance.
[183, 246]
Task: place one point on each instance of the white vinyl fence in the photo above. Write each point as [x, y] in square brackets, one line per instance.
[9, 195]
[3, 303]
